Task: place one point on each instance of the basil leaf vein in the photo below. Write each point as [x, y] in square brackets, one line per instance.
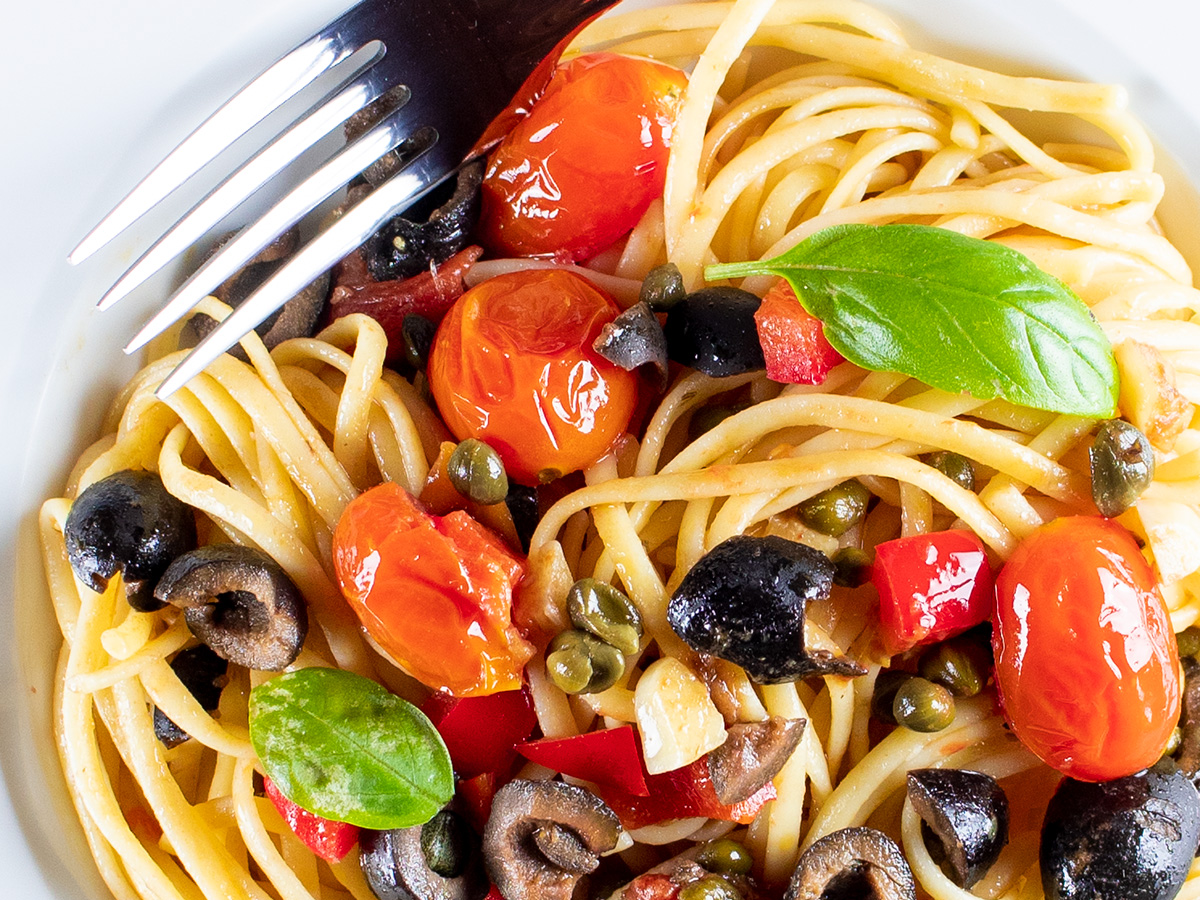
[341, 746]
[955, 312]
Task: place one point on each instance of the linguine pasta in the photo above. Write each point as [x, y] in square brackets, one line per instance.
[799, 115]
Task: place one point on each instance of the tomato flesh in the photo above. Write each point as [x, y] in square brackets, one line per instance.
[583, 167]
[793, 340]
[1086, 661]
[512, 364]
[434, 592]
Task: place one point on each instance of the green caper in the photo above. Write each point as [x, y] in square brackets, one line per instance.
[1173, 742]
[725, 856]
[1189, 641]
[954, 466]
[961, 664]
[1122, 466]
[884, 696]
[477, 472]
[707, 418]
[921, 705]
[711, 887]
[851, 567]
[607, 613]
[662, 287]
[417, 334]
[582, 664]
[447, 843]
[837, 510]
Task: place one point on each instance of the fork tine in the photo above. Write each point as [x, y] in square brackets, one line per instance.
[263, 166]
[390, 133]
[239, 114]
[340, 239]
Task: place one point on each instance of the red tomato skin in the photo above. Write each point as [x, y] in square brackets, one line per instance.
[581, 169]
[1086, 660]
[512, 364]
[931, 587]
[327, 839]
[793, 340]
[434, 592]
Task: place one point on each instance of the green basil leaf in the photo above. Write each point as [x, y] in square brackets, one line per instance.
[341, 746]
[955, 312]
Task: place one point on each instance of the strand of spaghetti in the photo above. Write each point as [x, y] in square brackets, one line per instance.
[257, 840]
[681, 190]
[841, 721]
[205, 859]
[173, 639]
[224, 431]
[60, 579]
[181, 707]
[369, 341]
[282, 499]
[349, 874]
[854, 180]
[786, 811]
[225, 505]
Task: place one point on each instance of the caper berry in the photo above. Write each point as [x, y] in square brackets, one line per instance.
[607, 613]
[884, 696]
[954, 466]
[851, 567]
[711, 887]
[446, 843]
[960, 664]
[417, 334]
[707, 418]
[582, 664]
[921, 705]
[726, 856]
[837, 510]
[1188, 641]
[1122, 466]
[662, 287]
[477, 472]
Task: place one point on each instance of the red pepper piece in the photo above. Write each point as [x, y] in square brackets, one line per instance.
[477, 795]
[681, 794]
[793, 340]
[931, 587]
[609, 757]
[328, 839]
[429, 294]
[494, 894]
[481, 732]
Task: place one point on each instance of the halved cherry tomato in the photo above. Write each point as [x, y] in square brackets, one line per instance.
[793, 340]
[512, 364]
[1086, 660]
[586, 163]
[328, 839]
[931, 587]
[435, 593]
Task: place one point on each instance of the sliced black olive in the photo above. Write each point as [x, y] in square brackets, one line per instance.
[633, 339]
[967, 815]
[542, 836]
[417, 334]
[753, 754]
[410, 244]
[202, 672]
[296, 318]
[127, 523]
[1129, 839]
[1122, 466]
[523, 506]
[439, 860]
[855, 862]
[1189, 723]
[713, 330]
[745, 601]
[240, 602]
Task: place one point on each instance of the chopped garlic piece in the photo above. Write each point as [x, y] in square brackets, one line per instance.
[677, 719]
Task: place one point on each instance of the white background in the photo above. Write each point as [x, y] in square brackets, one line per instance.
[92, 91]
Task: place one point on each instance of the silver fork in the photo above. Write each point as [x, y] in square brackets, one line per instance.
[452, 65]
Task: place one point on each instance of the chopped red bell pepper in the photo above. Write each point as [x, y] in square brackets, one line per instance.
[429, 294]
[481, 732]
[931, 587]
[494, 894]
[681, 794]
[793, 340]
[607, 757]
[328, 839]
[477, 795]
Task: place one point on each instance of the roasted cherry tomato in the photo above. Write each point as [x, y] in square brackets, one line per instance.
[1085, 657]
[793, 340]
[435, 593]
[512, 364]
[587, 162]
[931, 587]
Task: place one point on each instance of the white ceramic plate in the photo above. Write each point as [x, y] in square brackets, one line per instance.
[94, 93]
